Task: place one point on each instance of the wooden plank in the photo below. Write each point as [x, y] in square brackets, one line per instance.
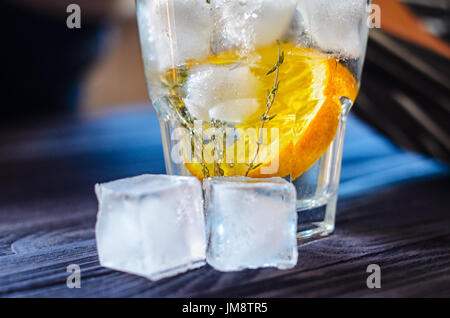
[48, 210]
[406, 243]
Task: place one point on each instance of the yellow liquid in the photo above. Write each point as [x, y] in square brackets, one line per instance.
[304, 111]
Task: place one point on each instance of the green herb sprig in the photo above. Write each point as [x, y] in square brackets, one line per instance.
[271, 94]
[174, 81]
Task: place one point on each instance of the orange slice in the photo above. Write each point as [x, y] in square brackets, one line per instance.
[306, 114]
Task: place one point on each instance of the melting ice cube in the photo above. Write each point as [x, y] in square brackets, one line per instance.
[335, 26]
[151, 225]
[174, 31]
[221, 92]
[250, 24]
[250, 223]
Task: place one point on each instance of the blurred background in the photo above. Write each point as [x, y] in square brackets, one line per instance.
[50, 70]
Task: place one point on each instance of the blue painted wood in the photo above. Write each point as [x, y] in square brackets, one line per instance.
[48, 210]
[371, 161]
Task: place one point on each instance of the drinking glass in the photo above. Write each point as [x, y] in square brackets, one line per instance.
[257, 88]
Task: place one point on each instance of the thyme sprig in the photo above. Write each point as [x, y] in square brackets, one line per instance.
[216, 125]
[174, 81]
[271, 94]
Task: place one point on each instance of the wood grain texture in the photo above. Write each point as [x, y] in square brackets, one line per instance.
[48, 211]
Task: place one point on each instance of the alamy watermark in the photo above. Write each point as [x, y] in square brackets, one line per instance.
[374, 279]
[73, 21]
[374, 19]
[226, 145]
[74, 279]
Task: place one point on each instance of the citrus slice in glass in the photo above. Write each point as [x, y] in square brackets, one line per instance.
[301, 122]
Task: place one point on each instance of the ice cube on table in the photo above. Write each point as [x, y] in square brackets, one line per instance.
[151, 225]
[174, 31]
[221, 92]
[250, 223]
[335, 26]
[250, 24]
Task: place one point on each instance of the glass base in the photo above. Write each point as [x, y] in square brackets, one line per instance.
[316, 188]
[315, 219]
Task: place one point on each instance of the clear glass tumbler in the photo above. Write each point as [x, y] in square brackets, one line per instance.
[257, 88]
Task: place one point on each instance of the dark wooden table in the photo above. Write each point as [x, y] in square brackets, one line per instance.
[394, 211]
